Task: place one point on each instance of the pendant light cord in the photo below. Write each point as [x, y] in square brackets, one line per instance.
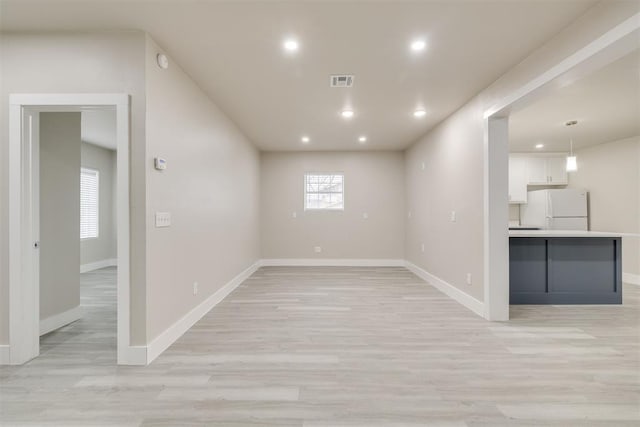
[571, 146]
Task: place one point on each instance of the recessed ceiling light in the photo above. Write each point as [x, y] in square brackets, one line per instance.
[291, 45]
[305, 139]
[347, 114]
[418, 45]
[419, 113]
[539, 146]
[362, 139]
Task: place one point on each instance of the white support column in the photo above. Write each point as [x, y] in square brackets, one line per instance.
[496, 217]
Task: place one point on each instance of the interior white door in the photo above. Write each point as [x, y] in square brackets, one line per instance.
[35, 214]
[31, 230]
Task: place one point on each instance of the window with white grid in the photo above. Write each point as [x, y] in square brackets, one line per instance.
[89, 202]
[323, 191]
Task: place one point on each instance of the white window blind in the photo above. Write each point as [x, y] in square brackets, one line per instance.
[89, 198]
[324, 192]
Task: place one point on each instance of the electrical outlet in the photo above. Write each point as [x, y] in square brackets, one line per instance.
[365, 215]
[422, 165]
[195, 288]
[422, 247]
[409, 214]
[468, 278]
[317, 249]
[294, 215]
[453, 216]
[163, 219]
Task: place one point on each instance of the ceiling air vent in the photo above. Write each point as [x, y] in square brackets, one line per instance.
[341, 80]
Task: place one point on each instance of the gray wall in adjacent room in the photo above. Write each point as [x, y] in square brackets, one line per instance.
[59, 213]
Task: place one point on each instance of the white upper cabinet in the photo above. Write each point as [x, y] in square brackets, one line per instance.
[534, 169]
[537, 171]
[557, 170]
[517, 179]
[547, 170]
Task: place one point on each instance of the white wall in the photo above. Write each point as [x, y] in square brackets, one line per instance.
[454, 148]
[374, 184]
[112, 62]
[611, 174]
[102, 248]
[514, 214]
[211, 188]
[450, 181]
[59, 213]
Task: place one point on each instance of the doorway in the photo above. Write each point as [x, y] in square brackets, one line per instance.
[76, 231]
[24, 238]
[614, 44]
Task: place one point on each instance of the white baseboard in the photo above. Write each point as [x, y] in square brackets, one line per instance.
[85, 268]
[5, 354]
[326, 262]
[59, 320]
[175, 331]
[448, 289]
[632, 279]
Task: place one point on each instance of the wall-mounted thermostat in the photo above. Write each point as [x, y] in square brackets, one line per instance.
[160, 163]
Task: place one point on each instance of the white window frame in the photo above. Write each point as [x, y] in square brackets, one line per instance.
[340, 209]
[95, 172]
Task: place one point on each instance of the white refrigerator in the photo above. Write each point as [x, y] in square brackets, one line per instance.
[562, 209]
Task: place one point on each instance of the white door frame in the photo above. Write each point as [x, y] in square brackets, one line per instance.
[615, 43]
[23, 172]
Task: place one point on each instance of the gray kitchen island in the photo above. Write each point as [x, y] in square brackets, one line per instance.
[564, 267]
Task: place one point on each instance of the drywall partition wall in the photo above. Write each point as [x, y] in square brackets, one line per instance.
[611, 174]
[79, 63]
[444, 234]
[210, 187]
[373, 187]
[59, 213]
[101, 250]
[465, 129]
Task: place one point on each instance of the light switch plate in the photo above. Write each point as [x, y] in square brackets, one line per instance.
[159, 163]
[163, 219]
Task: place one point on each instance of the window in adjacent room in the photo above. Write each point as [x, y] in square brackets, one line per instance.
[323, 191]
[89, 198]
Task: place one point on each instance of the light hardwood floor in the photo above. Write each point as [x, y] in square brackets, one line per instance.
[339, 346]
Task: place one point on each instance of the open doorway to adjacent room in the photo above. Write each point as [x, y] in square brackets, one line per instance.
[585, 70]
[78, 233]
[69, 238]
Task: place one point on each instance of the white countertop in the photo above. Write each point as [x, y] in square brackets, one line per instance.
[561, 233]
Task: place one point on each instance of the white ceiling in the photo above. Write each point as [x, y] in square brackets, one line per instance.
[233, 50]
[606, 105]
[98, 127]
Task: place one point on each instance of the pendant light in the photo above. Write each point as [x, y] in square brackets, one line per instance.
[572, 164]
